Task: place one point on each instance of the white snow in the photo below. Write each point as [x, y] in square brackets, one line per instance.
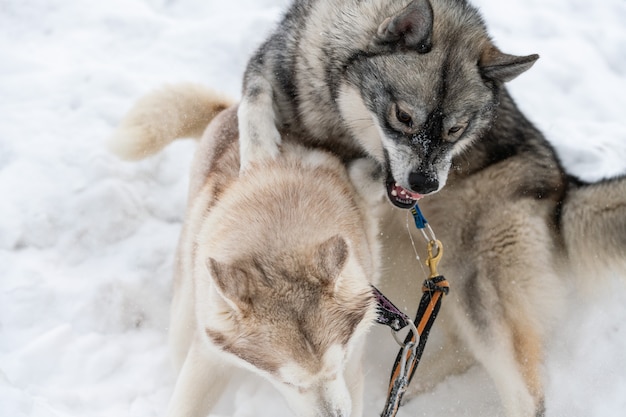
[87, 241]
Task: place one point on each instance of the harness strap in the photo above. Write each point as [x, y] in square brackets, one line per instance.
[389, 314]
[433, 290]
[409, 356]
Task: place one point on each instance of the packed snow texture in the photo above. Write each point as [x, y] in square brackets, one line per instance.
[87, 241]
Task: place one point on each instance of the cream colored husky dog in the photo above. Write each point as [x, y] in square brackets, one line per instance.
[274, 267]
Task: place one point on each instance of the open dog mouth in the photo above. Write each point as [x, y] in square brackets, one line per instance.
[399, 196]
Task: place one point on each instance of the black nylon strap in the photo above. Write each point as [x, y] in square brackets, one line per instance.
[426, 298]
[429, 288]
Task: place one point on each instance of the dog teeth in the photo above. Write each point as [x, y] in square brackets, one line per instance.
[402, 192]
[394, 193]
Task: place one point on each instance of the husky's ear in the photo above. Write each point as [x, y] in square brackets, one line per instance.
[411, 27]
[233, 284]
[330, 258]
[498, 66]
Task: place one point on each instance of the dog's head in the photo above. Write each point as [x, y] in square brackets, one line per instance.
[294, 317]
[425, 87]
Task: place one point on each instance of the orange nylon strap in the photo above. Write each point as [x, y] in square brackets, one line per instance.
[409, 356]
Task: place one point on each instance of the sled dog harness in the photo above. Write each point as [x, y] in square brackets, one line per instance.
[412, 347]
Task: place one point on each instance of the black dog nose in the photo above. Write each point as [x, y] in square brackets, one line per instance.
[423, 184]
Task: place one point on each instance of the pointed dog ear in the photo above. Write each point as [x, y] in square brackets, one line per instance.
[232, 283]
[330, 259]
[412, 27]
[498, 66]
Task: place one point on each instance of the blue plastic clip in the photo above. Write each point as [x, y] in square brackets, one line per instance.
[420, 220]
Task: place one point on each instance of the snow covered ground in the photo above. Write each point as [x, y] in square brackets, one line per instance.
[87, 241]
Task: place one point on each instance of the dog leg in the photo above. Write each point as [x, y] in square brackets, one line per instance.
[200, 383]
[506, 302]
[514, 363]
[182, 317]
[511, 355]
[355, 380]
[259, 138]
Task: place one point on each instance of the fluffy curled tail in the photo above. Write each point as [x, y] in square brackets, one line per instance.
[594, 227]
[160, 117]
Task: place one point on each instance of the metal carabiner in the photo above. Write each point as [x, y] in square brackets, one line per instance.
[412, 328]
[433, 260]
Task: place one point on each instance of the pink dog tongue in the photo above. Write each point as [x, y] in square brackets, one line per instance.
[399, 191]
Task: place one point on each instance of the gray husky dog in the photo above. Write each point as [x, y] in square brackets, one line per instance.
[418, 86]
[411, 83]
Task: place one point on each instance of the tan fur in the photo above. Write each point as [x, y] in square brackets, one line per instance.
[182, 111]
[529, 354]
[274, 268]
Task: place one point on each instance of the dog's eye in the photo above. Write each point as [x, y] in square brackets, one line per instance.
[404, 117]
[456, 131]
